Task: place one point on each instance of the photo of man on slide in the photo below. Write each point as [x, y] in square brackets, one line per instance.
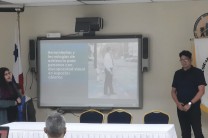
[108, 64]
[113, 70]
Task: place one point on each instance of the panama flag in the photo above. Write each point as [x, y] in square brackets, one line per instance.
[201, 56]
[17, 67]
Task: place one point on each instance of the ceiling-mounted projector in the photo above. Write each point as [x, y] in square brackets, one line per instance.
[88, 24]
[11, 8]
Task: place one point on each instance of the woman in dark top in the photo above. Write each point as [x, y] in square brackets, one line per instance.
[9, 97]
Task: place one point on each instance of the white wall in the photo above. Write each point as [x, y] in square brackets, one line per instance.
[169, 25]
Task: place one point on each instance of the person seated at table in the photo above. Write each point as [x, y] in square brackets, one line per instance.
[55, 126]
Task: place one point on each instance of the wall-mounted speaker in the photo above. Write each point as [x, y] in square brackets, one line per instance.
[145, 54]
[32, 55]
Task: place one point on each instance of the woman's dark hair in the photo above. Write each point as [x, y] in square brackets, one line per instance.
[3, 82]
[10, 89]
[185, 53]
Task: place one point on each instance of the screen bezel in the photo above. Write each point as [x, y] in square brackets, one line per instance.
[139, 77]
[4, 129]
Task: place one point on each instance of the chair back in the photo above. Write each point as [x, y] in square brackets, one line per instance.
[119, 116]
[91, 116]
[156, 117]
[4, 132]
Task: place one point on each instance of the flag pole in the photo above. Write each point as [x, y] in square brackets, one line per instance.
[18, 25]
[17, 68]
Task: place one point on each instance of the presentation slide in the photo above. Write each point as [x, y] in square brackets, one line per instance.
[80, 73]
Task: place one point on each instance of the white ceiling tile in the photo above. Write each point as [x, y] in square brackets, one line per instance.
[169, 0]
[53, 3]
[44, 2]
[79, 2]
[37, 1]
[113, 1]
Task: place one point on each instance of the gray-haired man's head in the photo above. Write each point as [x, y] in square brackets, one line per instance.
[55, 126]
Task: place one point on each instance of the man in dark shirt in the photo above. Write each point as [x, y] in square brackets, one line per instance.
[187, 89]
